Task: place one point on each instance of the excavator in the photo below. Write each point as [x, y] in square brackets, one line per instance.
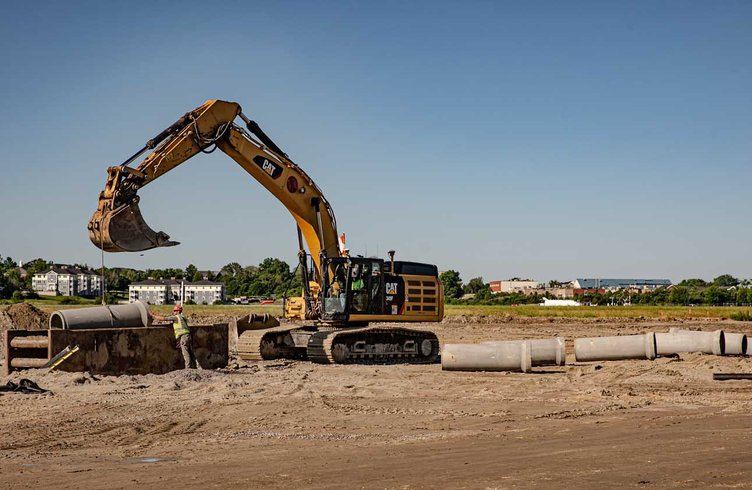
[341, 295]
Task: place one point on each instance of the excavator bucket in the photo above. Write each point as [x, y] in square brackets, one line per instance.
[123, 229]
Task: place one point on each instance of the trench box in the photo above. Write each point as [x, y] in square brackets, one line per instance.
[116, 351]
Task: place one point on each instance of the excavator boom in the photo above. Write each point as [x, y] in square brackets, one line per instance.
[118, 225]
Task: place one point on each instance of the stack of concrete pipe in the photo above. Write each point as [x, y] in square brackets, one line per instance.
[503, 355]
[652, 345]
[111, 316]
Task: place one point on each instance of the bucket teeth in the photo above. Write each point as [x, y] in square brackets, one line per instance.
[123, 229]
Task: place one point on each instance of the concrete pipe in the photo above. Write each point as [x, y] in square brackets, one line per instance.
[676, 341]
[543, 352]
[513, 356]
[30, 342]
[111, 316]
[615, 348]
[735, 344]
[28, 362]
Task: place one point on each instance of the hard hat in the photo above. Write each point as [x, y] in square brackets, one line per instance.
[177, 308]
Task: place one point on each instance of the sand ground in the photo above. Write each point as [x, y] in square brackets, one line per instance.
[278, 424]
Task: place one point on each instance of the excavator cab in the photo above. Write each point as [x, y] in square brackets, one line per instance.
[362, 290]
[355, 286]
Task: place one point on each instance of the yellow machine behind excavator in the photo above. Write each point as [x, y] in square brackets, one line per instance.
[341, 294]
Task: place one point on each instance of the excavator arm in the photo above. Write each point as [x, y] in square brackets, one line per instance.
[118, 226]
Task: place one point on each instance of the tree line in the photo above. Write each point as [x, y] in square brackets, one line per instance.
[723, 290]
[271, 278]
[274, 277]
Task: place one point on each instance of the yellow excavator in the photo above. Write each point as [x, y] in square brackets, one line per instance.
[342, 294]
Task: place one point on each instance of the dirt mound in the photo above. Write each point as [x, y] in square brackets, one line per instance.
[23, 316]
[198, 319]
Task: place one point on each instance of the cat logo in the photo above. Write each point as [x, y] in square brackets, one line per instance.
[270, 168]
[391, 288]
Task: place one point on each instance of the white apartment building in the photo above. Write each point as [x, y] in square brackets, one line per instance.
[169, 291]
[67, 281]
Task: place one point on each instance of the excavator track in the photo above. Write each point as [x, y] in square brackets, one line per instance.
[268, 344]
[374, 345]
[327, 345]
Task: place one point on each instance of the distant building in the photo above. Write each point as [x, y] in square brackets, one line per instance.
[204, 292]
[560, 292]
[67, 281]
[640, 285]
[169, 291]
[513, 286]
[152, 291]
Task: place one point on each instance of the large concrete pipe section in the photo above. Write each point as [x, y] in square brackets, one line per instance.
[735, 344]
[543, 352]
[615, 348]
[676, 341]
[512, 356]
[111, 316]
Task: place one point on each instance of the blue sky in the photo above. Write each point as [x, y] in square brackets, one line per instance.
[549, 140]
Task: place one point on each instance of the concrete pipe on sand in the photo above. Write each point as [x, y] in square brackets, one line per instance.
[676, 341]
[641, 346]
[513, 356]
[543, 352]
[735, 344]
[110, 316]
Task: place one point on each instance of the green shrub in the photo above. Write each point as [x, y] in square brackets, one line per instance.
[742, 316]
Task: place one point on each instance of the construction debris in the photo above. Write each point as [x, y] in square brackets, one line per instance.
[730, 376]
[23, 386]
[61, 357]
